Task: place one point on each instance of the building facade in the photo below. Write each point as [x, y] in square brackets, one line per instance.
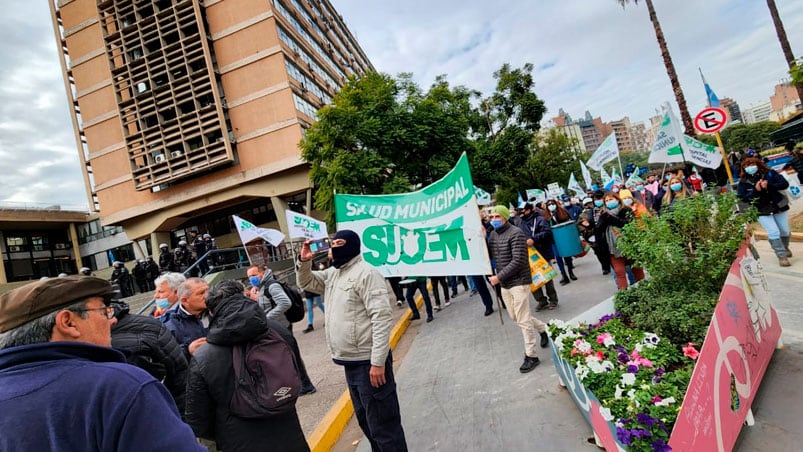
[757, 112]
[624, 136]
[592, 130]
[187, 112]
[731, 109]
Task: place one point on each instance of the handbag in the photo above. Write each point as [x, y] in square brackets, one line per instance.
[540, 269]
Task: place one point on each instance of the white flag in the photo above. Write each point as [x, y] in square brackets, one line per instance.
[574, 186]
[483, 197]
[586, 175]
[633, 179]
[605, 177]
[302, 226]
[617, 179]
[702, 154]
[606, 152]
[670, 145]
[249, 232]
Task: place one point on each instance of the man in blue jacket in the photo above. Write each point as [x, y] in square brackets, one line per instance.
[188, 320]
[62, 385]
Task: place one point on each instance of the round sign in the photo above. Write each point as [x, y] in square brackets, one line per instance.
[710, 120]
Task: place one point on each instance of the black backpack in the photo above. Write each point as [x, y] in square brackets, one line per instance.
[296, 311]
[266, 381]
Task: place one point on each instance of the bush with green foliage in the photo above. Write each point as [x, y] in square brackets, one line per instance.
[687, 253]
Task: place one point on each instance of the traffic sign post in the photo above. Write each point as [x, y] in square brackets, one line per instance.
[710, 120]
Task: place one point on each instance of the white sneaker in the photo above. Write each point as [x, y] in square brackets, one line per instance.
[447, 303]
[398, 303]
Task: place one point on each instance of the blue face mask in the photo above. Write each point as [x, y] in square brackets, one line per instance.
[552, 207]
[162, 303]
[752, 169]
[598, 203]
[254, 280]
[667, 177]
[497, 223]
[612, 204]
[676, 187]
[627, 201]
[639, 188]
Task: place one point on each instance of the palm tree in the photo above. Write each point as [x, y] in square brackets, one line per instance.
[670, 67]
[787, 49]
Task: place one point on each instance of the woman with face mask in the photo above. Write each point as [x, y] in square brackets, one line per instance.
[761, 186]
[675, 191]
[557, 214]
[615, 216]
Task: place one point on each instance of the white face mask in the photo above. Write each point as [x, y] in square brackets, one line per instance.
[552, 207]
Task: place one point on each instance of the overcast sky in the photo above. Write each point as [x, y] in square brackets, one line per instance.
[588, 54]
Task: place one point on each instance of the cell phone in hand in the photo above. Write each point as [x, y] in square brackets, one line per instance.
[319, 246]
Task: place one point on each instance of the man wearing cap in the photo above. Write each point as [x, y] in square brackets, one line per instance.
[358, 324]
[509, 249]
[62, 385]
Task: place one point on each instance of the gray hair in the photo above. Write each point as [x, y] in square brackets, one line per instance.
[172, 279]
[185, 289]
[38, 331]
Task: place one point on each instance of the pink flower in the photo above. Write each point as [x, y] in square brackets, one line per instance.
[656, 399]
[601, 338]
[690, 351]
[600, 355]
[637, 359]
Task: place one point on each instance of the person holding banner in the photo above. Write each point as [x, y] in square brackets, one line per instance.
[762, 187]
[509, 248]
[556, 215]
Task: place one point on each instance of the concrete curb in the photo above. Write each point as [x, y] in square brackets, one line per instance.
[328, 431]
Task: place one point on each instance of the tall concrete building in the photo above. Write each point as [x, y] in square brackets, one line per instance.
[187, 112]
[731, 108]
[757, 112]
[624, 136]
[785, 102]
[592, 130]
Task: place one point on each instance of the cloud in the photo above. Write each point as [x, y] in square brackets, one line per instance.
[588, 55]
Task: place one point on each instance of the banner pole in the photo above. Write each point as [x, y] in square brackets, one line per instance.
[621, 171]
[724, 158]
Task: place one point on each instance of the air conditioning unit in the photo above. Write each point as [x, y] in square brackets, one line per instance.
[159, 158]
[14, 249]
[60, 246]
[176, 154]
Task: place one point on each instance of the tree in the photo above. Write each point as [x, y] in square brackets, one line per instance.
[740, 137]
[382, 135]
[785, 47]
[670, 67]
[503, 127]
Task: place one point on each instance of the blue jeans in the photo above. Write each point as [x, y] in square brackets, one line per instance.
[311, 302]
[482, 289]
[776, 225]
[377, 409]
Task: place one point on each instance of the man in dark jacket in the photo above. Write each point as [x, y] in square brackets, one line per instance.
[62, 385]
[122, 278]
[236, 321]
[539, 235]
[187, 320]
[152, 348]
[509, 248]
[140, 274]
[167, 262]
[153, 272]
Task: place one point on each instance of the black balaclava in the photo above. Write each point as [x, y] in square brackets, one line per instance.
[342, 254]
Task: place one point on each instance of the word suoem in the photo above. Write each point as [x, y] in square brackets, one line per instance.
[418, 207]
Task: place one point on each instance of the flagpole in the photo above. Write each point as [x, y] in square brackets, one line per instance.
[719, 139]
[621, 171]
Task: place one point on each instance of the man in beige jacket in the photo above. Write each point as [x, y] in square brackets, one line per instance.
[358, 323]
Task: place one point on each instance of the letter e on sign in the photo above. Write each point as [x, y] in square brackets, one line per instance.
[710, 120]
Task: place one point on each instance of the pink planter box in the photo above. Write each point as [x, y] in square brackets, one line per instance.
[741, 339]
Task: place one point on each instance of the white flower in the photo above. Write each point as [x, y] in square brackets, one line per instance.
[582, 345]
[665, 402]
[606, 413]
[651, 340]
[607, 365]
[618, 393]
[628, 379]
[631, 394]
[595, 365]
[581, 371]
[560, 324]
[639, 347]
[609, 341]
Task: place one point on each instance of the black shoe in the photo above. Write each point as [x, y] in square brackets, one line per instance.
[541, 305]
[544, 340]
[307, 390]
[473, 292]
[564, 281]
[528, 364]
[606, 272]
[489, 312]
[571, 275]
[415, 317]
[308, 329]
[454, 294]
[429, 319]
[551, 306]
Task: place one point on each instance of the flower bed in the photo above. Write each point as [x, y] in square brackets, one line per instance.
[640, 392]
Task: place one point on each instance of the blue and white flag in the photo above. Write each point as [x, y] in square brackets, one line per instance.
[712, 99]
[248, 232]
[521, 201]
[607, 181]
[617, 179]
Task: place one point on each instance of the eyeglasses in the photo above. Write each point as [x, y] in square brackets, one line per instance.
[108, 311]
